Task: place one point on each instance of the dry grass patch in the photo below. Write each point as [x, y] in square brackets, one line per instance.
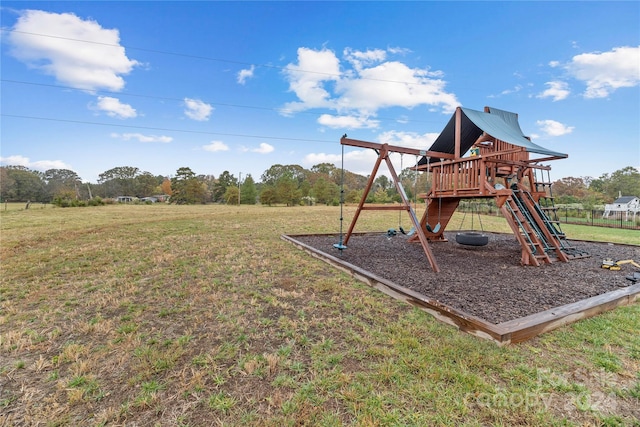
[202, 315]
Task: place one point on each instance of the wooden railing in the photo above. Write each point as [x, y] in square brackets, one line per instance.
[459, 177]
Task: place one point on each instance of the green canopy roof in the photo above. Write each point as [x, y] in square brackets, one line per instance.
[500, 124]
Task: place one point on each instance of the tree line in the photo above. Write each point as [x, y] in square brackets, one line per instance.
[290, 185]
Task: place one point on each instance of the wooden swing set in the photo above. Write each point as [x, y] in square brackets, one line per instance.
[498, 166]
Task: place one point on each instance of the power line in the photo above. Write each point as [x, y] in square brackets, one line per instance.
[206, 58]
[52, 119]
[164, 98]
[219, 104]
[279, 110]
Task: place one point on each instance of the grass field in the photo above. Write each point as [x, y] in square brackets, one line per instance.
[201, 315]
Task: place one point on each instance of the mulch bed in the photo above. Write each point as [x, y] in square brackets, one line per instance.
[488, 281]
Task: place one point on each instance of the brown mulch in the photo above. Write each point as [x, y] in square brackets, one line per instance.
[487, 281]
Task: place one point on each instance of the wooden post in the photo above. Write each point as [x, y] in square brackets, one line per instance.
[457, 140]
[414, 218]
[367, 189]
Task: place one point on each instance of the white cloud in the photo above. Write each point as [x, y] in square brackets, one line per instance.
[393, 84]
[359, 58]
[264, 148]
[347, 122]
[214, 146]
[99, 64]
[371, 83]
[515, 89]
[41, 165]
[398, 50]
[358, 161]
[605, 72]
[408, 139]
[556, 90]
[362, 161]
[243, 75]
[114, 108]
[197, 110]
[554, 128]
[143, 138]
[307, 78]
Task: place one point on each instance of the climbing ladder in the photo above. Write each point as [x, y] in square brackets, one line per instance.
[551, 230]
[540, 237]
[546, 201]
[548, 212]
[533, 248]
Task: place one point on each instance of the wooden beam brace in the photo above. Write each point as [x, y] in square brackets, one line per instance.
[518, 163]
[367, 189]
[394, 148]
[414, 219]
[384, 208]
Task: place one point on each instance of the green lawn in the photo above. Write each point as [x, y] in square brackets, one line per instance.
[203, 315]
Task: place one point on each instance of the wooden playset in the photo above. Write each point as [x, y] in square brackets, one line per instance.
[479, 154]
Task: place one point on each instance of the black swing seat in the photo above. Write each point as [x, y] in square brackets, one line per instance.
[472, 238]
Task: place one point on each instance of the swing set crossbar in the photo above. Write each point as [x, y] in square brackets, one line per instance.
[385, 208]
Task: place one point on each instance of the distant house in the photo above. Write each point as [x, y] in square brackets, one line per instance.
[626, 204]
[155, 199]
[126, 199]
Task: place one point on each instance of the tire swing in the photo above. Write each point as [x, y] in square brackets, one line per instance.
[472, 237]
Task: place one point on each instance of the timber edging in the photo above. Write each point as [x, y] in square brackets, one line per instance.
[509, 332]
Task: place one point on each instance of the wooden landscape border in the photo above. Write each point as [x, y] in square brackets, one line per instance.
[512, 331]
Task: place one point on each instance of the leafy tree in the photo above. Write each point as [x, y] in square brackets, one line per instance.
[166, 186]
[6, 183]
[225, 180]
[186, 188]
[62, 181]
[382, 182]
[248, 191]
[625, 181]
[209, 182]
[268, 196]
[353, 181]
[276, 172]
[326, 192]
[305, 188]
[325, 169]
[23, 184]
[381, 196]
[353, 196]
[146, 184]
[287, 190]
[410, 181]
[231, 196]
[119, 181]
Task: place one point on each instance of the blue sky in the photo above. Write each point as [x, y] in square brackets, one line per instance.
[241, 86]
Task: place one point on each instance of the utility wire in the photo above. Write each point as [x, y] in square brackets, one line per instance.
[206, 58]
[220, 104]
[176, 99]
[52, 119]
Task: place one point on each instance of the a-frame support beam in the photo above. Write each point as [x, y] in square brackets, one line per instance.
[383, 151]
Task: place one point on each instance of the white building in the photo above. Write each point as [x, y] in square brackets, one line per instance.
[626, 204]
